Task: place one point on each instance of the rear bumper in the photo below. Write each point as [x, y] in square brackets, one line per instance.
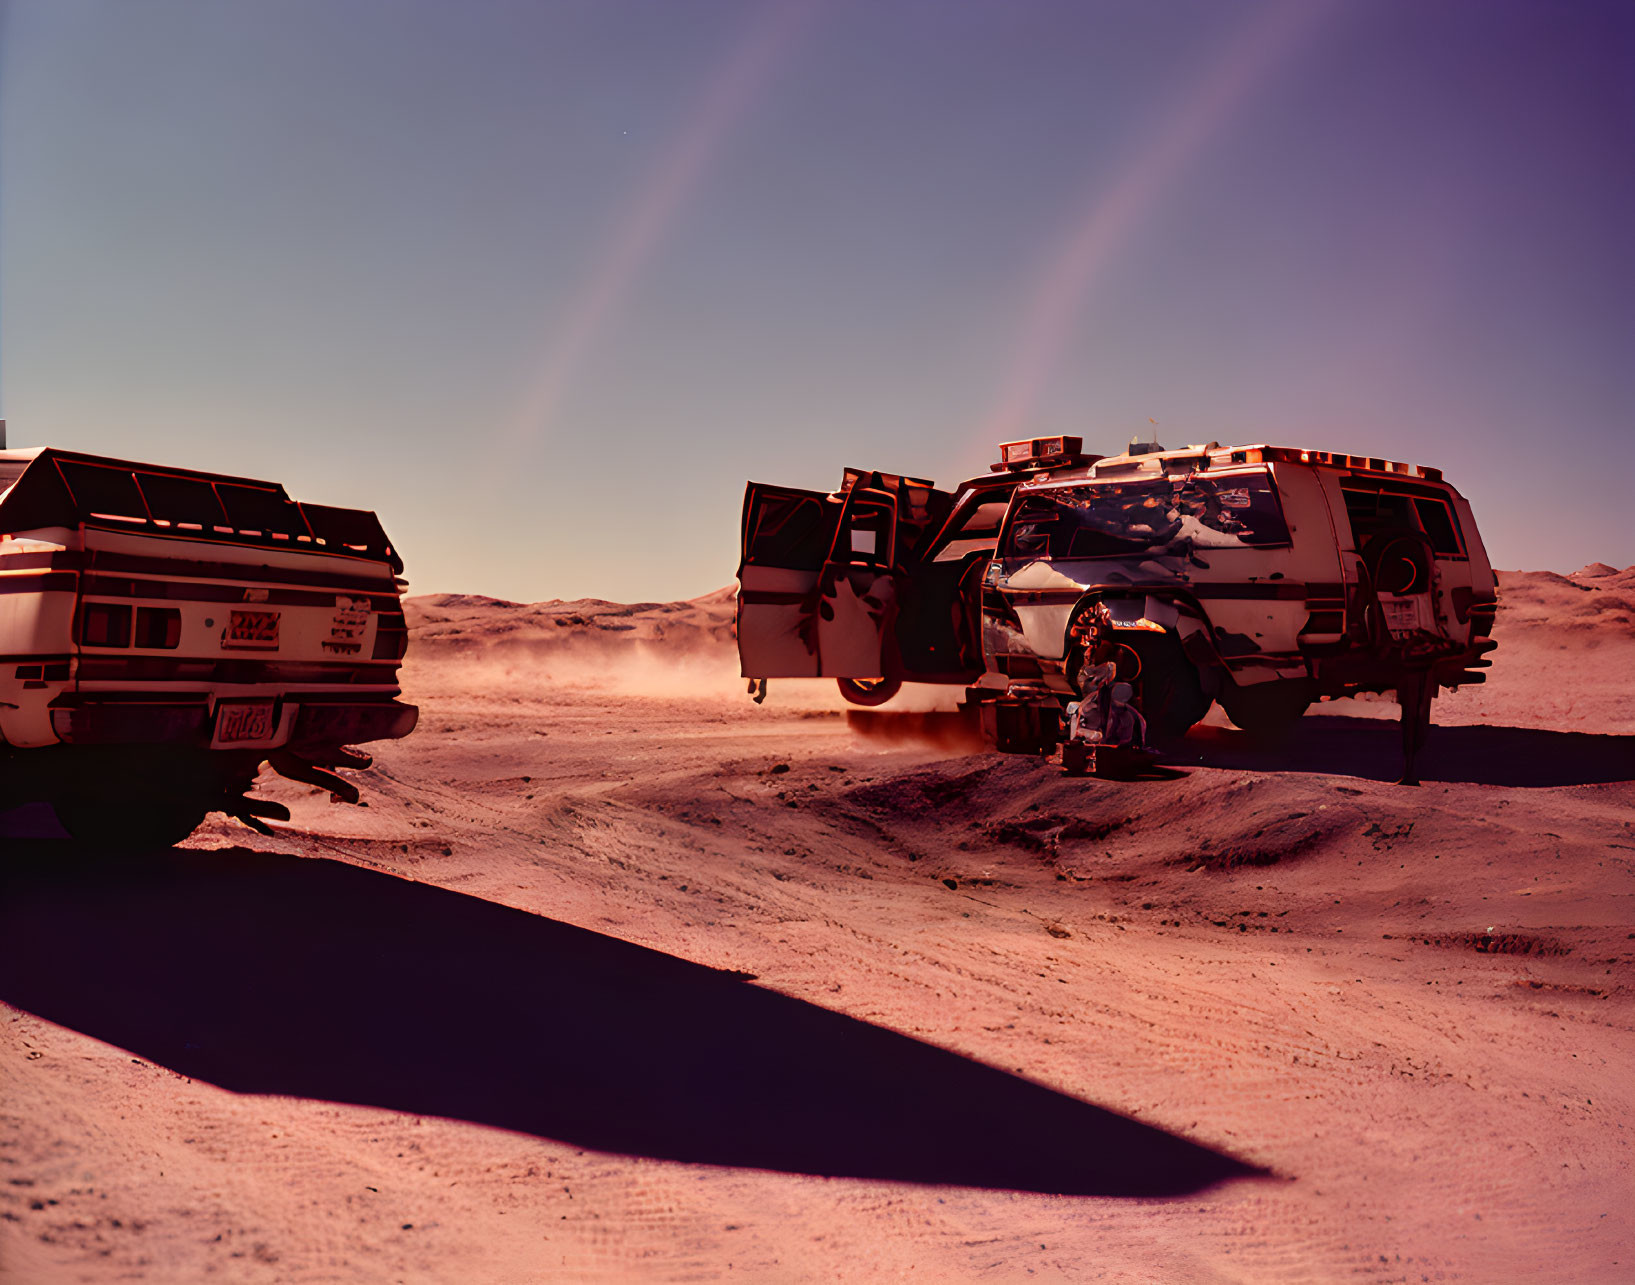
[352, 723]
[112, 720]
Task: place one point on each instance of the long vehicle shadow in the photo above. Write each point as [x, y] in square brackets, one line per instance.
[1337, 745]
[271, 974]
[1372, 747]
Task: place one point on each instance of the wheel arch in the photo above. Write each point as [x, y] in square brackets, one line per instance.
[1196, 638]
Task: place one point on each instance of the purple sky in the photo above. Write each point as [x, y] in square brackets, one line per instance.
[545, 283]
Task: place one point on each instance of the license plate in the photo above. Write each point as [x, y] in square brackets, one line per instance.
[251, 629]
[1401, 617]
[243, 722]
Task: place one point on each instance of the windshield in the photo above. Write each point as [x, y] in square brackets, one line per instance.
[1113, 519]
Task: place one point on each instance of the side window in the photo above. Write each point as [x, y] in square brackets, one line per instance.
[1436, 519]
[791, 531]
[1037, 518]
[867, 531]
[974, 530]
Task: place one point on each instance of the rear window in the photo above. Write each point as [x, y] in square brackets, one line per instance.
[1114, 519]
[1374, 508]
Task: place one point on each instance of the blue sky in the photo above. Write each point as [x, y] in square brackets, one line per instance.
[545, 283]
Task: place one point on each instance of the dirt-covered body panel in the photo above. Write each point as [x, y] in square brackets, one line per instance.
[1281, 568]
[1231, 545]
[1279, 576]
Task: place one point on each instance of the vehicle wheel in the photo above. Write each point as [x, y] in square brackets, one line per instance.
[130, 823]
[1267, 708]
[1399, 560]
[1172, 697]
[869, 691]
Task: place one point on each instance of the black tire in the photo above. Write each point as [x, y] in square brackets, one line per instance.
[1267, 709]
[129, 823]
[869, 692]
[1399, 561]
[1172, 697]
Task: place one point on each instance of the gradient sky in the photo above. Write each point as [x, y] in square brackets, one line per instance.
[544, 283]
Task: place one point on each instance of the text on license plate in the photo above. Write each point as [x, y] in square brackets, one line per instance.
[1401, 617]
[251, 629]
[240, 721]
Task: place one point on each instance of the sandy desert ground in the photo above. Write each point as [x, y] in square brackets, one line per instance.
[619, 976]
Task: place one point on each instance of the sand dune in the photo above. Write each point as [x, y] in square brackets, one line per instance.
[620, 976]
[442, 624]
[1596, 598]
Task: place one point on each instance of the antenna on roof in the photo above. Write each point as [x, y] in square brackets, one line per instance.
[1138, 447]
[2, 434]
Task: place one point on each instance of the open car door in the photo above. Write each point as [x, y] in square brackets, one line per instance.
[816, 592]
[857, 593]
[818, 581]
[787, 537]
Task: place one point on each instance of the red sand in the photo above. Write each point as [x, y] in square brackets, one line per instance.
[333, 1054]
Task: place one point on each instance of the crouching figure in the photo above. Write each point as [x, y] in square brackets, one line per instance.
[1106, 734]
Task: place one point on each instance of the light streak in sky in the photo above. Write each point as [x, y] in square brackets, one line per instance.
[1110, 214]
[731, 92]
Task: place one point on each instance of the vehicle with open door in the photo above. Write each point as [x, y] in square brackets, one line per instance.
[165, 632]
[1261, 577]
[875, 583]
[821, 579]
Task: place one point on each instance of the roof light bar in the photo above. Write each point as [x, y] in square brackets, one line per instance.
[1034, 452]
[1332, 459]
